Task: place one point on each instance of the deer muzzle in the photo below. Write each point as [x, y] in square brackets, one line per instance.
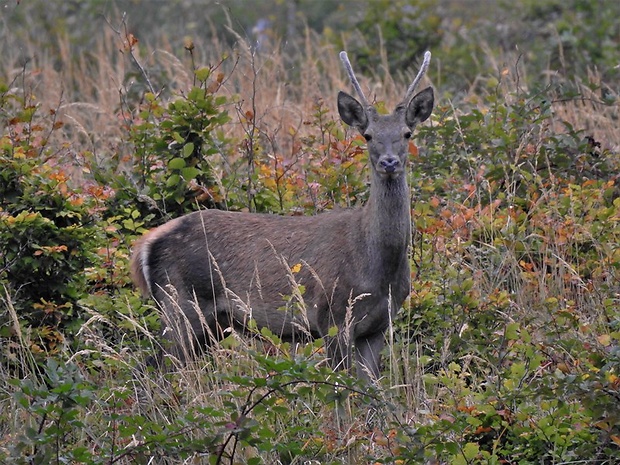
[390, 165]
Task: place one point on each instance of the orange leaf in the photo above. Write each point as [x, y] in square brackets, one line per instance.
[380, 441]
[604, 339]
[446, 214]
[483, 429]
[76, 201]
[467, 409]
[132, 40]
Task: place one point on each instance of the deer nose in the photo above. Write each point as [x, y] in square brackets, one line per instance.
[389, 164]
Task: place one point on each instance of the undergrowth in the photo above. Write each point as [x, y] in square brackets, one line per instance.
[507, 350]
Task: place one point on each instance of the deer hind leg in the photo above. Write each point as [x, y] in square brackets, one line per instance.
[339, 351]
[368, 355]
[188, 325]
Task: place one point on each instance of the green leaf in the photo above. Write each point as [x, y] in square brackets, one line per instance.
[333, 331]
[190, 172]
[517, 369]
[512, 331]
[202, 74]
[188, 149]
[195, 94]
[173, 180]
[337, 396]
[471, 450]
[178, 163]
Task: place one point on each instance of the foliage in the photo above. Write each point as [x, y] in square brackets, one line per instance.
[577, 35]
[515, 236]
[173, 149]
[508, 348]
[47, 227]
[406, 29]
[560, 41]
[56, 429]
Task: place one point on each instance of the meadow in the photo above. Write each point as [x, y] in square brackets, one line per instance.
[507, 350]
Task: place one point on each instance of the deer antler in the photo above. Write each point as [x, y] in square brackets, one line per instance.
[418, 78]
[347, 65]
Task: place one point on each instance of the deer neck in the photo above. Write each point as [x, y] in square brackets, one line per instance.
[388, 217]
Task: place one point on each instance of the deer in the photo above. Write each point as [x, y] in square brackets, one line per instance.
[214, 271]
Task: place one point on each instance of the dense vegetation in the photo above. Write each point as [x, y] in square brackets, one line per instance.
[508, 349]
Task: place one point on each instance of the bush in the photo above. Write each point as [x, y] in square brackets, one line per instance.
[48, 231]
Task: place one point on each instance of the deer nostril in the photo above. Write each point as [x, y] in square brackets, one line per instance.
[390, 164]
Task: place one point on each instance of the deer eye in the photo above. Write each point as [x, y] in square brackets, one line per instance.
[368, 137]
[408, 135]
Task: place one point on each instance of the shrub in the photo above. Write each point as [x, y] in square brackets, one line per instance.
[174, 145]
[48, 230]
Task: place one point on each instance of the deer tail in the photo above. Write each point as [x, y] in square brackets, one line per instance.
[139, 269]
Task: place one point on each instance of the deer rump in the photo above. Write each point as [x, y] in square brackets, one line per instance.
[212, 270]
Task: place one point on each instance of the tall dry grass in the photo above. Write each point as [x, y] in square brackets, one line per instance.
[95, 94]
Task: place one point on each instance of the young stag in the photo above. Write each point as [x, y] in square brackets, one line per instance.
[214, 270]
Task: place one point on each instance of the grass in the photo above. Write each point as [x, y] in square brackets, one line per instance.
[506, 352]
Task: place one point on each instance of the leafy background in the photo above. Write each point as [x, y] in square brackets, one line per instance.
[117, 116]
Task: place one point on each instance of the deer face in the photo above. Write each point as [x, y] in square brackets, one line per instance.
[388, 144]
[387, 135]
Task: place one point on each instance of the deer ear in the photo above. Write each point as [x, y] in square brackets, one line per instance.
[420, 107]
[352, 112]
